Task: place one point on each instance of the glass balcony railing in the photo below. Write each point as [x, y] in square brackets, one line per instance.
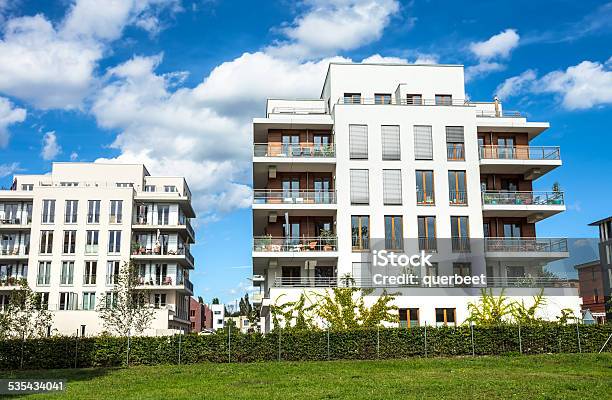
[523, 245]
[303, 281]
[301, 150]
[519, 152]
[273, 196]
[523, 198]
[297, 244]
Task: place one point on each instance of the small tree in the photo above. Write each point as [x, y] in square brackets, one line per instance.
[525, 315]
[215, 300]
[25, 316]
[247, 309]
[295, 315]
[127, 311]
[490, 309]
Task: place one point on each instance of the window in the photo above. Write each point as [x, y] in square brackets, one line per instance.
[445, 316]
[425, 188]
[28, 187]
[114, 241]
[44, 273]
[408, 317]
[427, 233]
[46, 242]
[42, 300]
[163, 214]
[170, 189]
[115, 211]
[515, 271]
[67, 273]
[68, 301]
[393, 232]
[92, 241]
[431, 270]
[360, 191]
[89, 277]
[69, 184]
[457, 188]
[390, 142]
[382, 98]
[512, 230]
[112, 272]
[460, 234]
[454, 143]
[358, 142]
[360, 228]
[462, 269]
[423, 143]
[414, 99]
[159, 300]
[89, 300]
[48, 215]
[352, 98]
[149, 188]
[93, 212]
[69, 242]
[110, 299]
[392, 186]
[444, 99]
[124, 184]
[70, 214]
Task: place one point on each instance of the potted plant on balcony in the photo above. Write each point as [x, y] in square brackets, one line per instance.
[556, 188]
[327, 239]
[135, 248]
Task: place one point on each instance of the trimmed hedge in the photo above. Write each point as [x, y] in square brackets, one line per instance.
[106, 351]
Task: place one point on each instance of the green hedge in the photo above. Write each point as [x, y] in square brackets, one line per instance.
[105, 351]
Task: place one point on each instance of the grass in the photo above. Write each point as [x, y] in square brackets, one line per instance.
[567, 376]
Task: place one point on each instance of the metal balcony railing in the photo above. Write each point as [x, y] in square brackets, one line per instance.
[302, 150]
[302, 281]
[519, 152]
[274, 196]
[16, 251]
[403, 102]
[13, 280]
[297, 244]
[522, 198]
[457, 197]
[528, 281]
[190, 228]
[15, 221]
[499, 114]
[460, 244]
[426, 197]
[429, 244]
[539, 245]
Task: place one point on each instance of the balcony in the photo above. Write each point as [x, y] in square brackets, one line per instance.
[426, 198]
[158, 282]
[306, 198]
[531, 161]
[302, 246]
[13, 281]
[141, 222]
[526, 248]
[528, 282]
[414, 101]
[303, 281]
[499, 114]
[15, 223]
[182, 255]
[19, 252]
[532, 205]
[300, 150]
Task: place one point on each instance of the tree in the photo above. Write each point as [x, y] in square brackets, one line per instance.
[215, 300]
[126, 310]
[200, 300]
[294, 315]
[25, 316]
[527, 315]
[490, 310]
[247, 309]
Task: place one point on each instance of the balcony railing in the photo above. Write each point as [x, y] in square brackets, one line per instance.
[429, 244]
[499, 114]
[520, 152]
[189, 228]
[290, 244]
[457, 197]
[460, 244]
[163, 251]
[14, 280]
[17, 251]
[425, 197]
[403, 102]
[523, 198]
[528, 281]
[302, 150]
[273, 196]
[15, 221]
[302, 281]
[455, 151]
[512, 245]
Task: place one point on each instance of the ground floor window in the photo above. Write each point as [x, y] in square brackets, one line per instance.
[408, 317]
[445, 317]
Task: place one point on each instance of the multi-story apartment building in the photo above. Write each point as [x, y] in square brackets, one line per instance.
[68, 233]
[393, 157]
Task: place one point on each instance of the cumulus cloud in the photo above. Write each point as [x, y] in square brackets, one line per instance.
[9, 169]
[585, 85]
[490, 51]
[54, 66]
[50, 148]
[329, 26]
[9, 114]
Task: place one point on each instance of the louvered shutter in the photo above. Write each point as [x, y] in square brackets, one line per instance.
[390, 142]
[423, 145]
[358, 141]
[392, 186]
[360, 193]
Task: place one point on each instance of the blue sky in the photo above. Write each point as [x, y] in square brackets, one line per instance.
[174, 84]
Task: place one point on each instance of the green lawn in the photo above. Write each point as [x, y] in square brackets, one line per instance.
[563, 376]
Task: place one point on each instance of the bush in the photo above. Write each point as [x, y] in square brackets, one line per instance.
[359, 344]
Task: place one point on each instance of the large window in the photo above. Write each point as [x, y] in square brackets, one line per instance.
[352, 98]
[393, 232]
[360, 228]
[67, 273]
[48, 212]
[427, 233]
[112, 272]
[163, 214]
[392, 186]
[360, 191]
[423, 142]
[114, 241]
[93, 211]
[454, 143]
[46, 242]
[425, 188]
[89, 300]
[89, 277]
[382, 98]
[414, 99]
[358, 142]
[69, 242]
[408, 317]
[92, 241]
[460, 234]
[444, 99]
[116, 210]
[70, 214]
[390, 135]
[457, 188]
[445, 316]
[44, 273]
[68, 301]
[159, 300]
[512, 230]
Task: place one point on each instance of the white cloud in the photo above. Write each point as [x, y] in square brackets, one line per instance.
[427, 59]
[378, 59]
[481, 69]
[50, 148]
[334, 25]
[9, 114]
[499, 45]
[74, 156]
[585, 85]
[9, 169]
[54, 67]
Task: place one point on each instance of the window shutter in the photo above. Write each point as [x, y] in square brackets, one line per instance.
[454, 134]
[392, 186]
[390, 142]
[358, 141]
[360, 186]
[423, 145]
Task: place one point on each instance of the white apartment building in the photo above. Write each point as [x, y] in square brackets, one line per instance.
[394, 157]
[218, 316]
[68, 233]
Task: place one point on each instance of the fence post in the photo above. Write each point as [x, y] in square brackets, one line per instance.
[76, 348]
[179, 355]
[378, 341]
[279, 344]
[127, 355]
[520, 340]
[22, 349]
[425, 339]
[328, 342]
[472, 338]
[604, 346]
[229, 343]
[578, 334]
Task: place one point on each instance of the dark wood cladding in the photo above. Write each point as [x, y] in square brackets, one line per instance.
[500, 181]
[306, 179]
[496, 226]
[309, 226]
[490, 138]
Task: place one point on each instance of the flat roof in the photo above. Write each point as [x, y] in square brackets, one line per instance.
[588, 264]
[601, 221]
